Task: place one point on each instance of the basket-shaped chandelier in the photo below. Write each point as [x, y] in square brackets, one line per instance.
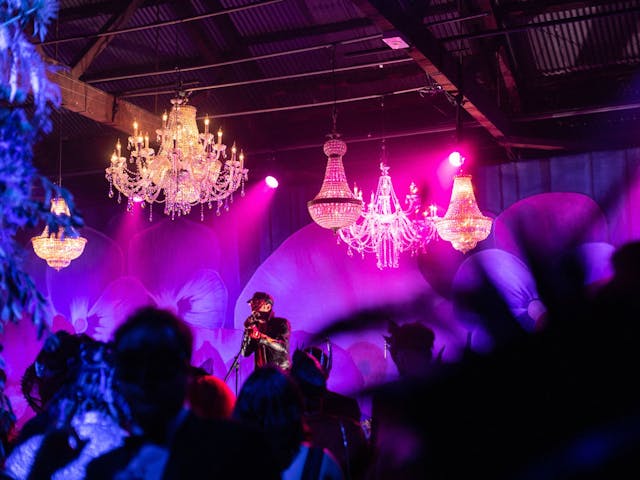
[335, 206]
[463, 225]
[59, 248]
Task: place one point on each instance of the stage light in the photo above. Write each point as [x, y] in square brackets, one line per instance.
[456, 159]
[271, 182]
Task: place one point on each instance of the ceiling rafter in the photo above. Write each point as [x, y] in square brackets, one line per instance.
[98, 46]
[439, 64]
[504, 55]
[100, 106]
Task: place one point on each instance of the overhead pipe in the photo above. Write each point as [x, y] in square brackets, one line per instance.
[433, 130]
[231, 62]
[465, 18]
[148, 92]
[311, 105]
[534, 117]
[167, 23]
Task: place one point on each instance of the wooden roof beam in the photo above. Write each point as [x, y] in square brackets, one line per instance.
[102, 107]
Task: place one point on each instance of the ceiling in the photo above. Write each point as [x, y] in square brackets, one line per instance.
[533, 78]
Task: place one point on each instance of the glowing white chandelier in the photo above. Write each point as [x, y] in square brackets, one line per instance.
[59, 248]
[385, 228]
[190, 167]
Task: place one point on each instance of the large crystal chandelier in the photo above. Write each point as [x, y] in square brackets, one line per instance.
[59, 248]
[335, 206]
[190, 167]
[463, 225]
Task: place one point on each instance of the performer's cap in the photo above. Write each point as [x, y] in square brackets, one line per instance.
[261, 296]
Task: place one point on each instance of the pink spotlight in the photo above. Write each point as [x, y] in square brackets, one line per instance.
[456, 159]
[137, 198]
[271, 182]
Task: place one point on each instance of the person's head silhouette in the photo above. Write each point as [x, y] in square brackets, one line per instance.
[411, 348]
[153, 352]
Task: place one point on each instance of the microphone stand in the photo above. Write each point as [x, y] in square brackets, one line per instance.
[235, 365]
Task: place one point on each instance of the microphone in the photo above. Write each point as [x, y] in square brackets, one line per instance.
[251, 319]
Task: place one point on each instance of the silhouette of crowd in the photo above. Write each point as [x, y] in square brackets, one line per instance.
[555, 404]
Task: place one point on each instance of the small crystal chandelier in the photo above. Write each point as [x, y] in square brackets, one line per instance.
[463, 225]
[335, 206]
[59, 248]
[190, 167]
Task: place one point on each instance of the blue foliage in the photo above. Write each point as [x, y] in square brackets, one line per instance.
[26, 100]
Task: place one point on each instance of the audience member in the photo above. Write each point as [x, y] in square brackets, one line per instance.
[271, 401]
[342, 436]
[411, 348]
[208, 396]
[335, 403]
[84, 419]
[7, 418]
[153, 351]
[54, 365]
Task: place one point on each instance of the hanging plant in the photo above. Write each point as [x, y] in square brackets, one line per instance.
[27, 98]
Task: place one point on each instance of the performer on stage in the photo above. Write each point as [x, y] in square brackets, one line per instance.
[265, 334]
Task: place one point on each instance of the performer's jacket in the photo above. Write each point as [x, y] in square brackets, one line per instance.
[273, 350]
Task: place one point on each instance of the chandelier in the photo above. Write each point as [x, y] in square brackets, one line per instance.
[335, 206]
[59, 248]
[386, 229]
[463, 225]
[190, 167]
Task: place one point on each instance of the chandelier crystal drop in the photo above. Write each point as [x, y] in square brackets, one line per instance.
[190, 167]
[335, 206]
[59, 249]
[463, 225]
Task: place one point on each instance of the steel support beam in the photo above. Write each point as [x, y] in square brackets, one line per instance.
[438, 63]
[101, 43]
